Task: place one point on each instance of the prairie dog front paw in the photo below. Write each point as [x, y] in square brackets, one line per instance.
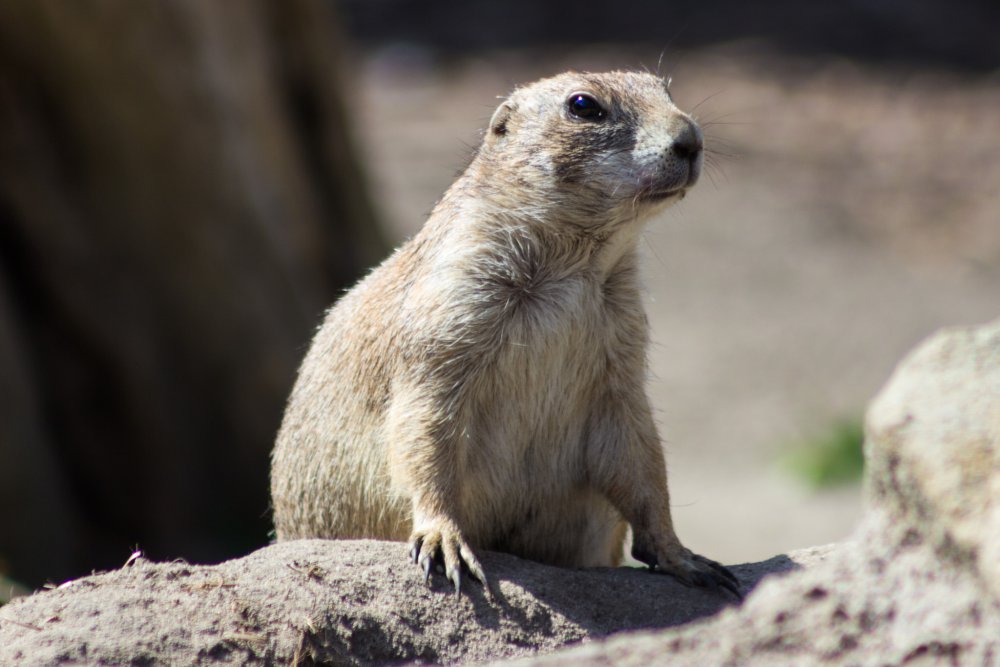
[689, 568]
[441, 542]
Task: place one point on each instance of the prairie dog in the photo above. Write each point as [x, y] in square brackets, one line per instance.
[484, 388]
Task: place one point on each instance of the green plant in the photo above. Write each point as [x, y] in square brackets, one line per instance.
[832, 458]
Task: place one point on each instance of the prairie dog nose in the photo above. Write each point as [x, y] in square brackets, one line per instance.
[688, 141]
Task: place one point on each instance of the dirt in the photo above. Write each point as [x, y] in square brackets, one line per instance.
[846, 213]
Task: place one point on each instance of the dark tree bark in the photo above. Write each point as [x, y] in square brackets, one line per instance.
[179, 200]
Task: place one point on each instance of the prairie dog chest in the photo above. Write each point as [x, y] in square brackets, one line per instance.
[529, 331]
[535, 395]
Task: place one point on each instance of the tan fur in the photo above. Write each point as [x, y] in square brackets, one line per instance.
[484, 388]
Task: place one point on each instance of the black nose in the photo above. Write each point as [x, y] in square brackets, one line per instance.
[687, 141]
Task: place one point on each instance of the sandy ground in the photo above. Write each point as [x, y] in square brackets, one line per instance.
[845, 214]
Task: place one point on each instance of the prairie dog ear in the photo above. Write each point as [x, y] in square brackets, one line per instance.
[498, 124]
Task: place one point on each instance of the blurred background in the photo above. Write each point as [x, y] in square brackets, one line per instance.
[186, 186]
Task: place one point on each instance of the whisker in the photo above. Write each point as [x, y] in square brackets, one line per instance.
[711, 178]
[721, 116]
[695, 107]
[712, 123]
[714, 152]
[716, 169]
[652, 248]
[719, 138]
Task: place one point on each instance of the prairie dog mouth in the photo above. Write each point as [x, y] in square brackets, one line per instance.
[663, 188]
[655, 195]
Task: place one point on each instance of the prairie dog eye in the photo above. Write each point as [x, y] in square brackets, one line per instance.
[585, 106]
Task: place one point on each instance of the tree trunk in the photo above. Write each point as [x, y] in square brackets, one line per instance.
[179, 201]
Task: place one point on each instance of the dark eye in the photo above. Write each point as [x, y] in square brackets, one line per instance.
[585, 106]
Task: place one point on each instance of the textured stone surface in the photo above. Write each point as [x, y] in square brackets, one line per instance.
[882, 599]
[934, 435]
[350, 602]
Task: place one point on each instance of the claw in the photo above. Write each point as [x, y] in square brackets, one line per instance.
[721, 569]
[415, 549]
[731, 587]
[718, 576]
[475, 569]
[694, 570]
[447, 553]
[700, 579]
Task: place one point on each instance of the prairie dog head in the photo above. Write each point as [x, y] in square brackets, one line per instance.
[592, 150]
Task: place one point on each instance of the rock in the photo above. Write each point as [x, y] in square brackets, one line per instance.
[918, 583]
[345, 602]
[934, 438]
[875, 601]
